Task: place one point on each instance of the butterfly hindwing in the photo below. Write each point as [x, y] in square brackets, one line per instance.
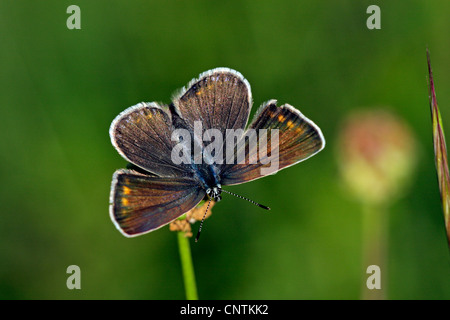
[142, 135]
[142, 203]
[220, 99]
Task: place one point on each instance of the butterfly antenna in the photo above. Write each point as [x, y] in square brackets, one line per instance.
[255, 203]
[201, 223]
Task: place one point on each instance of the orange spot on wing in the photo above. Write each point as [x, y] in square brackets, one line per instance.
[126, 190]
[281, 118]
[125, 202]
[290, 124]
[299, 130]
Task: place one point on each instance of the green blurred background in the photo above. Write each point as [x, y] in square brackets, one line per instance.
[60, 90]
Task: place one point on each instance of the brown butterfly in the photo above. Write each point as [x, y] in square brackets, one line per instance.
[185, 152]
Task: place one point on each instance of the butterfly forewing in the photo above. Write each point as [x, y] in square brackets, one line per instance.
[298, 139]
[141, 203]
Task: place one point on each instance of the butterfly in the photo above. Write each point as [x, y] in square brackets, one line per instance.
[174, 167]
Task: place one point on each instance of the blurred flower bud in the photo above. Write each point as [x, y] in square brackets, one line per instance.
[377, 155]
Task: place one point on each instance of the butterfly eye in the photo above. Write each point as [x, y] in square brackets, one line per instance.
[214, 193]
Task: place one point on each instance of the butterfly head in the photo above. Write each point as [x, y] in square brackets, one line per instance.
[214, 193]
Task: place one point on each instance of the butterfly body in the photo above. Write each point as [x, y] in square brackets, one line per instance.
[207, 175]
[187, 151]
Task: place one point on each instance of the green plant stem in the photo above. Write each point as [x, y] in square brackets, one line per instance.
[374, 246]
[187, 267]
